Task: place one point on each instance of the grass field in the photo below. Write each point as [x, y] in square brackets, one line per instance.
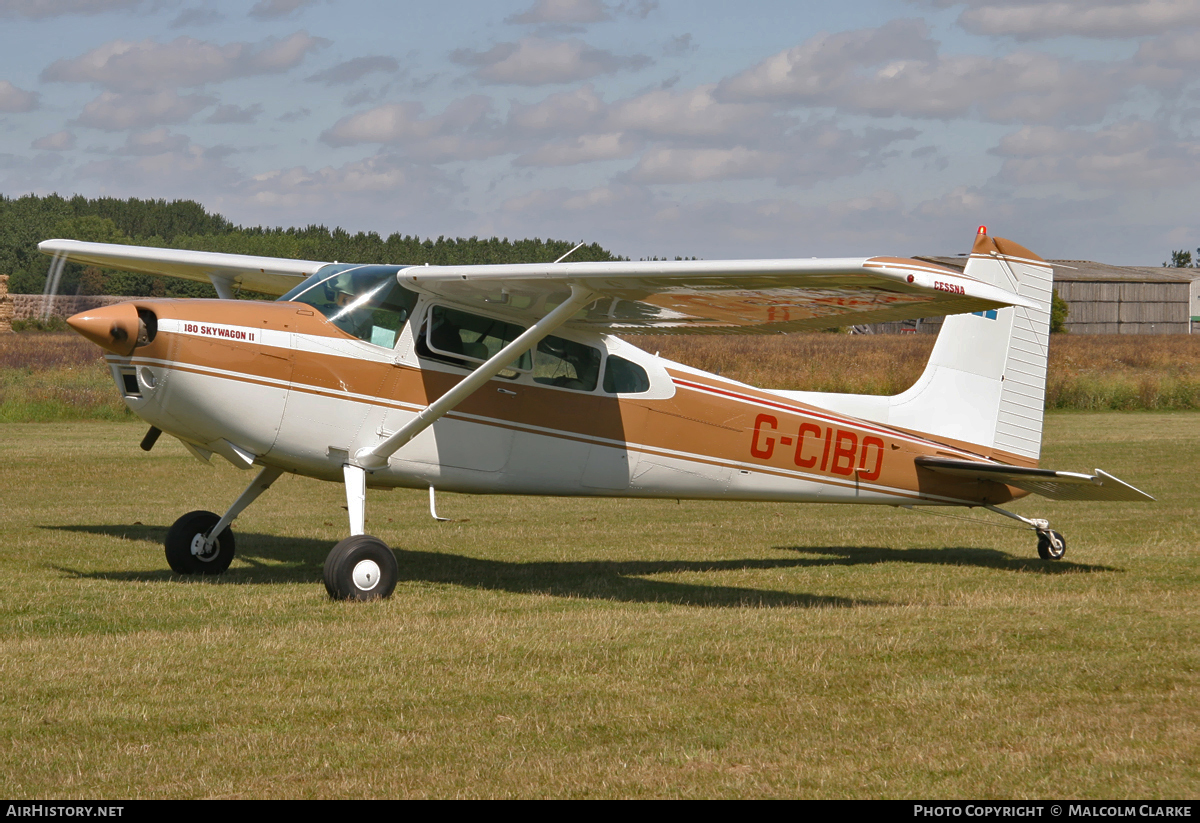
[583, 648]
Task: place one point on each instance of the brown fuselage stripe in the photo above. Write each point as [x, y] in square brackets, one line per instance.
[678, 430]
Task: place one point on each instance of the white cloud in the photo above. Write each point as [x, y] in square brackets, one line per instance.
[124, 66]
[896, 70]
[351, 71]
[633, 220]
[117, 112]
[1173, 58]
[679, 46]
[229, 113]
[193, 18]
[464, 130]
[42, 9]
[569, 112]
[381, 173]
[562, 13]
[165, 164]
[693, 113]
[1129, 154]
[15, 99]
[535, 61]
[1085, 18]
[278, 9]
[803, 156]
[152, 142]
[59, 141]
[673, 165]
[587, 148]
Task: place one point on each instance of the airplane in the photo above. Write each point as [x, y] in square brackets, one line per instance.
[511, 379]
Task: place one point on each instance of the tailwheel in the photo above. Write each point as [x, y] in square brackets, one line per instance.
[189, 549]
[361, 568]
[1051, 545]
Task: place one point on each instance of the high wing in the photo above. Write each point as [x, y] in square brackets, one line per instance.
[267, 275]
[666, 297]
[723, 296]
[1055, 485]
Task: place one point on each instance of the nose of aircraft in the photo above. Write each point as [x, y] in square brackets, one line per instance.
[112, 328]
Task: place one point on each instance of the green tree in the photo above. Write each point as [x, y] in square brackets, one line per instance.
[1182, 260]
[1059, 309]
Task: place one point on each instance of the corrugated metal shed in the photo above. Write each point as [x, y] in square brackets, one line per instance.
[1106, 299]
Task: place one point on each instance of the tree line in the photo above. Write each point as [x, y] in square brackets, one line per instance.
[185, 224]
[1182, 259]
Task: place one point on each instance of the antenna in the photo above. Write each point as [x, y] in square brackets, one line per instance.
[568, 254]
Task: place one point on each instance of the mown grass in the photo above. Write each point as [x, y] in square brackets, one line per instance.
[596, 648]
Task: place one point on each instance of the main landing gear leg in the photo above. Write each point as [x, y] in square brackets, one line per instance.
[360, 567]
[1051, 544]
[201, 543]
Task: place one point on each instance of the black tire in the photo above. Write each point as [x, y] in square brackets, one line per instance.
[181, 537]
[1046, 549]
[361, 568]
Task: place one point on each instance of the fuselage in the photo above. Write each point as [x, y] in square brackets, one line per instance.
[279, 384]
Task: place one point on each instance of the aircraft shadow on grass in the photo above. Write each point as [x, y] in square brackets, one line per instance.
[268, 559]
[950, 556]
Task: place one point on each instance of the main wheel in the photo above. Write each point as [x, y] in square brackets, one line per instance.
[1046, 547]
[361, 568]
[186, 552]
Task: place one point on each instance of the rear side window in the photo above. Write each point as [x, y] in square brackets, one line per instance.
[623, 377]
[566, 364]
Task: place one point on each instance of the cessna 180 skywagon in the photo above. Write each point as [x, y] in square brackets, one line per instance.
[510, 379]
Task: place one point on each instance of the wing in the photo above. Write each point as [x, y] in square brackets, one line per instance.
[670, 297]
[268, 275]
[1052, 484]
[724, 296]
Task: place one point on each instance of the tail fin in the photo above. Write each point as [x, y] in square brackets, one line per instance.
[985, 382]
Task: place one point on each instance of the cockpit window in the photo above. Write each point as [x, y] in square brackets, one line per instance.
[464, 339]
[364, 301]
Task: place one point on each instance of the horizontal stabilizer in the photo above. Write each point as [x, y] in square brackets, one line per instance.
[1047, 483]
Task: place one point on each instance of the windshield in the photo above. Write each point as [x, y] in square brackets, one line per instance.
[364, 301]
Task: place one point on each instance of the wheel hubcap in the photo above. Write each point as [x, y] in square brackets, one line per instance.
[366, 575]
[202, 552]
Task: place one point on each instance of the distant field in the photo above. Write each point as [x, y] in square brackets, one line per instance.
[52, 376]
[596, 648]
[1091, 372]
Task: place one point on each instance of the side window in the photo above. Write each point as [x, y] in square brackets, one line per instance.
[566, 364]
[387, 318]
[623, 377]
[464, 339]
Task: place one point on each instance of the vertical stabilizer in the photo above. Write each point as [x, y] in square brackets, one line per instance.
[985, 382]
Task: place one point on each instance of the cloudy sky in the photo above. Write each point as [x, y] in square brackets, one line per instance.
[655, 127]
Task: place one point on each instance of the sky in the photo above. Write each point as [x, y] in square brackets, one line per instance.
[653, 127]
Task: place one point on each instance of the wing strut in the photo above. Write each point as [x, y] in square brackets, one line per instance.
[377, 456]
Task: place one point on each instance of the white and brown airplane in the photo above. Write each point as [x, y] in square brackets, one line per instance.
[509, 379]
